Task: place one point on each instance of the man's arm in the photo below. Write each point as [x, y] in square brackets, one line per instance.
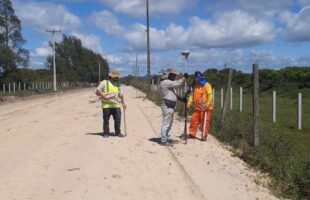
[190, 100]
[99, 91]
[178, 83]
[209, 94]
[122, 99]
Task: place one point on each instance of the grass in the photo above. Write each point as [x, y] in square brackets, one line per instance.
[284, 151]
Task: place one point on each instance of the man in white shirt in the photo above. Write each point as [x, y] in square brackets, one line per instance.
[169, 100]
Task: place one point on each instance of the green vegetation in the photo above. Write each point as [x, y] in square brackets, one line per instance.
[74, 63]
[284, 152]
[11, 41]
[77, 63]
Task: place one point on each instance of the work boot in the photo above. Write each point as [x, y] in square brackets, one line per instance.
[105, 135]
[166, 144]
[119, 135]
[173, 141]
[191, 136]
[205, 137]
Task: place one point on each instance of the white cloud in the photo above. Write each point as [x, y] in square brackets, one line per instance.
[39, 55]
[297, 25]
[158, 7]
[43, 51]
[257, 8]
[106, 21]
[232, 29]
[114, 59]
[203, 59]
[90, 41]
[44, 15]
[304, 3]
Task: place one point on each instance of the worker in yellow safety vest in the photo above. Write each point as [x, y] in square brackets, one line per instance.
[112, 96]
[201, 97]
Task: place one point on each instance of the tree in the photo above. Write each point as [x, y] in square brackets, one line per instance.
[77, 63]
[11, 40]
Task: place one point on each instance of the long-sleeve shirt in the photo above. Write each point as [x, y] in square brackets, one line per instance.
[167, 89]
[201, 95]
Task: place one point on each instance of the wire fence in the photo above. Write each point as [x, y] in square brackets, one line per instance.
[15, 88]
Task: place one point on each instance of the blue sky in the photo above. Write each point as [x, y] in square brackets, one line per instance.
[271, 33]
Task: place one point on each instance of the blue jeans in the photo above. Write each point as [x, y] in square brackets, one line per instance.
[167, 122]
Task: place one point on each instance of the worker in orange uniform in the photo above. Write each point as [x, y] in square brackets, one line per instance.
[201, 97]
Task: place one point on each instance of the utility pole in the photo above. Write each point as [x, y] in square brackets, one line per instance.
[148, 46]
[136, 66]
[53, 31]
[99, 73]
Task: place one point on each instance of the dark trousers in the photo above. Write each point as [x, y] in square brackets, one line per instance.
[116, 113]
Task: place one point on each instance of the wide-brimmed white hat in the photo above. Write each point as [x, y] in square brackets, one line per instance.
[114, 74]
[172, 70]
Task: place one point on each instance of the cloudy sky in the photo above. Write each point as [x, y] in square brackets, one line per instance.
[271, 33]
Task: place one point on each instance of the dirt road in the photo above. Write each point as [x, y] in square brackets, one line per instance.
[50, 148]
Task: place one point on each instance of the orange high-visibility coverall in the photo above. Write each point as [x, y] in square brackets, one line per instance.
[201, 97]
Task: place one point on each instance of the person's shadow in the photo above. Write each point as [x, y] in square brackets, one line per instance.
[112, 134]
[156, 140]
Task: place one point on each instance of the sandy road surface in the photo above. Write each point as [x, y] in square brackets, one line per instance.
[50, 148]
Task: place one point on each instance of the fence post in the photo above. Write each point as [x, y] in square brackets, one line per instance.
[3, 88]
[18, 86]
[32, 85]
[9, 88]
[222, 97]
[228, 85]
[299, 112]
[241, 98]
[24, 86]
[231, 98]
[274, 106]
[255, 105]
[14, 86]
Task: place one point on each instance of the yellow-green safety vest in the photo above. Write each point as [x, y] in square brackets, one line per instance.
[109, 87]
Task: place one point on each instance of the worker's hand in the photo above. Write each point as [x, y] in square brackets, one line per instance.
[103, 97]
[185, 75]
[124, 106]
[203, 107]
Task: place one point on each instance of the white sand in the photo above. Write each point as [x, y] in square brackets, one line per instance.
[50, 149]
